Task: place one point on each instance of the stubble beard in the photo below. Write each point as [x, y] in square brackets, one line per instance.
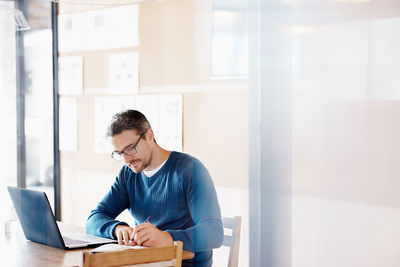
[139, 166]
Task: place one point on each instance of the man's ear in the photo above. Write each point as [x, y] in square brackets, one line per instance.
[150, 134]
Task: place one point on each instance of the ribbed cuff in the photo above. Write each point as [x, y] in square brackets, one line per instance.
[181, 235]
[112, 228]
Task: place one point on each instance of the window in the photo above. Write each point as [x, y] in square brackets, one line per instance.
[38, 77]
[229, 39]
[8, 114]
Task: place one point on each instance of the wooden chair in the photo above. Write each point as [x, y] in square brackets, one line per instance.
[134, 256]
[232, 241]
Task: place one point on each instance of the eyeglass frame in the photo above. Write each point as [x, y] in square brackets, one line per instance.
[130, 147]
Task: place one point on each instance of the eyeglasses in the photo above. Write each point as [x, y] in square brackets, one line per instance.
[129, 151]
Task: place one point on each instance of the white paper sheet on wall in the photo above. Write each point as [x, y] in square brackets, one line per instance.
[170, 121]
[123, 73]
[96, 29]
[124, 26]
[68, 124]
[99, 29]
[71, 32]
[104, 109]
[70, 75]
[164, 113]
[148, 105]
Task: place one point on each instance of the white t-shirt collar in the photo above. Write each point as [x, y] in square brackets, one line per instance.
[148, 174]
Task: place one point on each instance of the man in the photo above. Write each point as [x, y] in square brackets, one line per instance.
[170, 195]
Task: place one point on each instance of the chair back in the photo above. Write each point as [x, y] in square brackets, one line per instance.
[134, 256]
[232, 241]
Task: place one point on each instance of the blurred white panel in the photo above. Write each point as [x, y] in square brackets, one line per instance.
[384, 59]
[344, 111]
[338, 233]
[68, 130]
[229, 39]
[345, 136]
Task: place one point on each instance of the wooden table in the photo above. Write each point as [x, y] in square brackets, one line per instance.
[15, 250]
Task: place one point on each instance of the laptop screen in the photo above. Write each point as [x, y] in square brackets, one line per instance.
[36, 217]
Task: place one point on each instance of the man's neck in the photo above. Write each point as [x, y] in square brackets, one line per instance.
[160, 155]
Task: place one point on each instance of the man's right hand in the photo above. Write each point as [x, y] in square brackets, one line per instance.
[123, 234]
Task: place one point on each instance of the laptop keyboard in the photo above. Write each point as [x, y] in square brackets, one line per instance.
[69, 241]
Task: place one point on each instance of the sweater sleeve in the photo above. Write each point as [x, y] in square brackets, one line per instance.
[101, 221]
[207, 232]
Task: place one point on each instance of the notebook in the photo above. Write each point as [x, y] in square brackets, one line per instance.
[39, 225]
[113, 248]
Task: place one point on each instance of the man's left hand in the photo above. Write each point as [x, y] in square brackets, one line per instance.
[148, 235]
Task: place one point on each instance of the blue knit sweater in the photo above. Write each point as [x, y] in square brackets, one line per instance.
[180, 199]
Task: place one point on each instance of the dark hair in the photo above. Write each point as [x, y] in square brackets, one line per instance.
[128, 120]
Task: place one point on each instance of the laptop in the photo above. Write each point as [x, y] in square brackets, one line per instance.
[39, 225]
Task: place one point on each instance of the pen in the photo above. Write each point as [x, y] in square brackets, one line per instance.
[147, 220]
